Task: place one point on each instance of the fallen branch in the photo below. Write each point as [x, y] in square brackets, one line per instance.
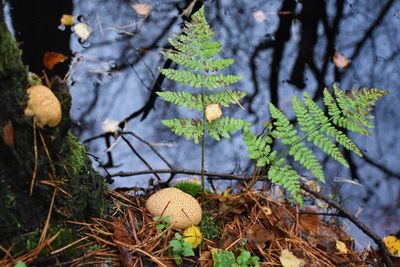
[229, 176]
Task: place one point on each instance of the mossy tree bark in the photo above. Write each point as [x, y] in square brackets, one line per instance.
[65, 165]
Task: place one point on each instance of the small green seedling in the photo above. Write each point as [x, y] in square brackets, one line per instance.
[223, 258]
[163, 222]
[180, 248]
[245, 259]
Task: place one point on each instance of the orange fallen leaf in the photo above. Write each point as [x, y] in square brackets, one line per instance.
[51, 59]
[67, 20]
[8, 134]
[142, 9]
[340, 60]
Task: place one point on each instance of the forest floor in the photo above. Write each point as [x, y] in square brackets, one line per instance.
[235, 228]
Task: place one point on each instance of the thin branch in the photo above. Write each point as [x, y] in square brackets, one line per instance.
[347, 214]
[228, 176]
[139, 156]
[151, 147]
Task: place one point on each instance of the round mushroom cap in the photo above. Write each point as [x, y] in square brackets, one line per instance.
[44, 106]
[183, 209]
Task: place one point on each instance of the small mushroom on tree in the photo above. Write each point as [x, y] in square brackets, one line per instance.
[44, 106]
[183, 209]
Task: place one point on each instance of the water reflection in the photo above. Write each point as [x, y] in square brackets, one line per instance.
[282, 48]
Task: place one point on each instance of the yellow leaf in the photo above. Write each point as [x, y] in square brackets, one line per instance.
[341, 247]
[393, 245]
[82, 30]
[193, 236]
[289, 260]
[67, 20]
[267, 211]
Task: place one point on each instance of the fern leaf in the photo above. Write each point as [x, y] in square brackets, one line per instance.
[190, 129]
[183, 77]
[338, 118]
[225, 98]
[287, 177]
[284, 130]
[193, 101]
[183, 60]
[218, 64]
[314, 132]
[222, 127]
[182, 99]
[259, 148]
[220, 80]
[327, 126]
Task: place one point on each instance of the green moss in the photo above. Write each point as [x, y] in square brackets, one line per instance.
[192, 188]
[10, 59]
[210, 228]
[74, 154]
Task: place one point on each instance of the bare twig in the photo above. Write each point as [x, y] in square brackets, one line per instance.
[228, 176]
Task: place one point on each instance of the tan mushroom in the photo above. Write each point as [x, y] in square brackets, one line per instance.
[213, 112]
[44, 106]
[184, 209]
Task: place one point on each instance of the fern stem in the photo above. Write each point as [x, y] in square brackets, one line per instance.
[203, 96]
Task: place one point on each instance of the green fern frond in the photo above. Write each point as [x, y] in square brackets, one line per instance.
[218, 64]
[220, 80]
[315, 133]
[287, 177]
[193, 101]
[183, 77]
[222, 127]
[225, 98]
[259, 147]
[338, 118]
[184, 60]
[328, 127]
[302, 154]
[190, 129]
[186, 99]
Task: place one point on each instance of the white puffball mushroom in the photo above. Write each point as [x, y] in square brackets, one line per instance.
[213, 112]
[82, 30]
[44, 106]
[183, 209]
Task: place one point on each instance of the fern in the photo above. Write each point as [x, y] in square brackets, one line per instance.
[195, 52]
[349, 111]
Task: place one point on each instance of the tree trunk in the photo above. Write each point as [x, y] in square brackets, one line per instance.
[63, 168]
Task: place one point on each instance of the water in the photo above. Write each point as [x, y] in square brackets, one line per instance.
[117, 71]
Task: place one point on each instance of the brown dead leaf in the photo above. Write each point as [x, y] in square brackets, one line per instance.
[206, 259]
[51, 59]
[340, 60]
[8, 134]
[258, 236]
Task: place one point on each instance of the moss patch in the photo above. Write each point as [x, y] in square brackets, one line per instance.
[74, 154]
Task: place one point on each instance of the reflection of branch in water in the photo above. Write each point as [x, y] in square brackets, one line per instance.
[310, 16]
[371, 29]
[282, 36]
